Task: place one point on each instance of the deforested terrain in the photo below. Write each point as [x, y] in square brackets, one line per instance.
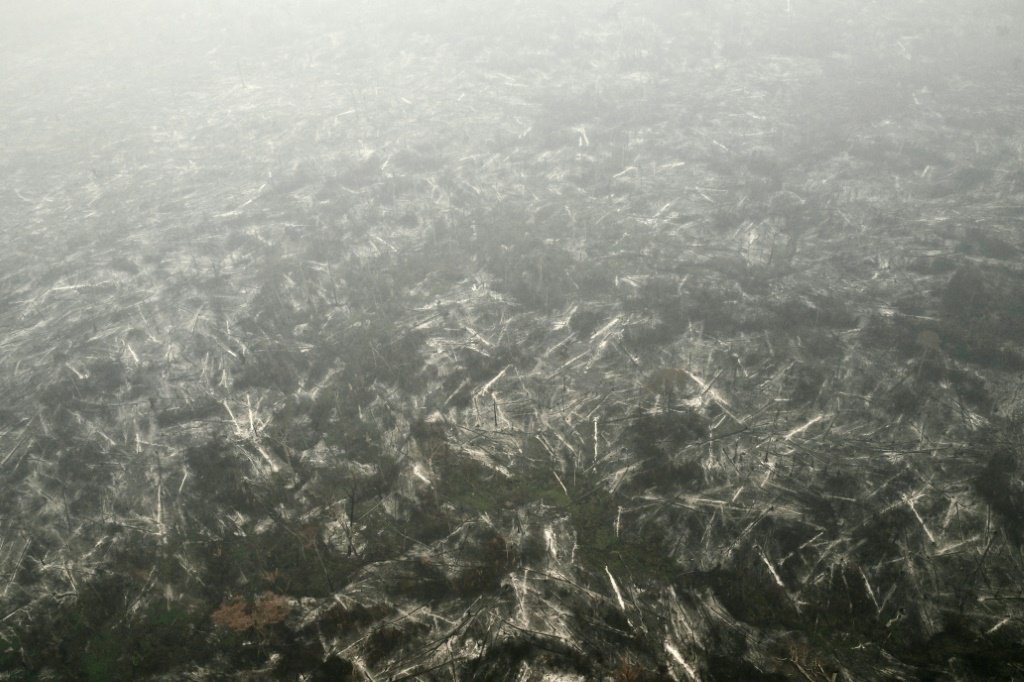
[438, 340]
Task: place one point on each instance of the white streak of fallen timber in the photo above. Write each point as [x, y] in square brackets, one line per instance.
[871, 592]
[800, 429]
[771, 569]
[417, 471]
[486, 387]
[678, 658]
[998, 625]
[550, 542]
[603, 330]
[615, 588]
[560, 482]
[910, 503]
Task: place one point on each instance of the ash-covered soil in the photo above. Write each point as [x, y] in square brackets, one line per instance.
[512, 341]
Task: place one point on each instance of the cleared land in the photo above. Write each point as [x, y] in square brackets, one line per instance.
[513, 341]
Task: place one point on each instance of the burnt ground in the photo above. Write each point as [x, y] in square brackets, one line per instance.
[629, 341]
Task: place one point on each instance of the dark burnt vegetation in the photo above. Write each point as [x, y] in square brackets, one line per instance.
[664, 341]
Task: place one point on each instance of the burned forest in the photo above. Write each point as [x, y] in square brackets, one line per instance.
[512, 340]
